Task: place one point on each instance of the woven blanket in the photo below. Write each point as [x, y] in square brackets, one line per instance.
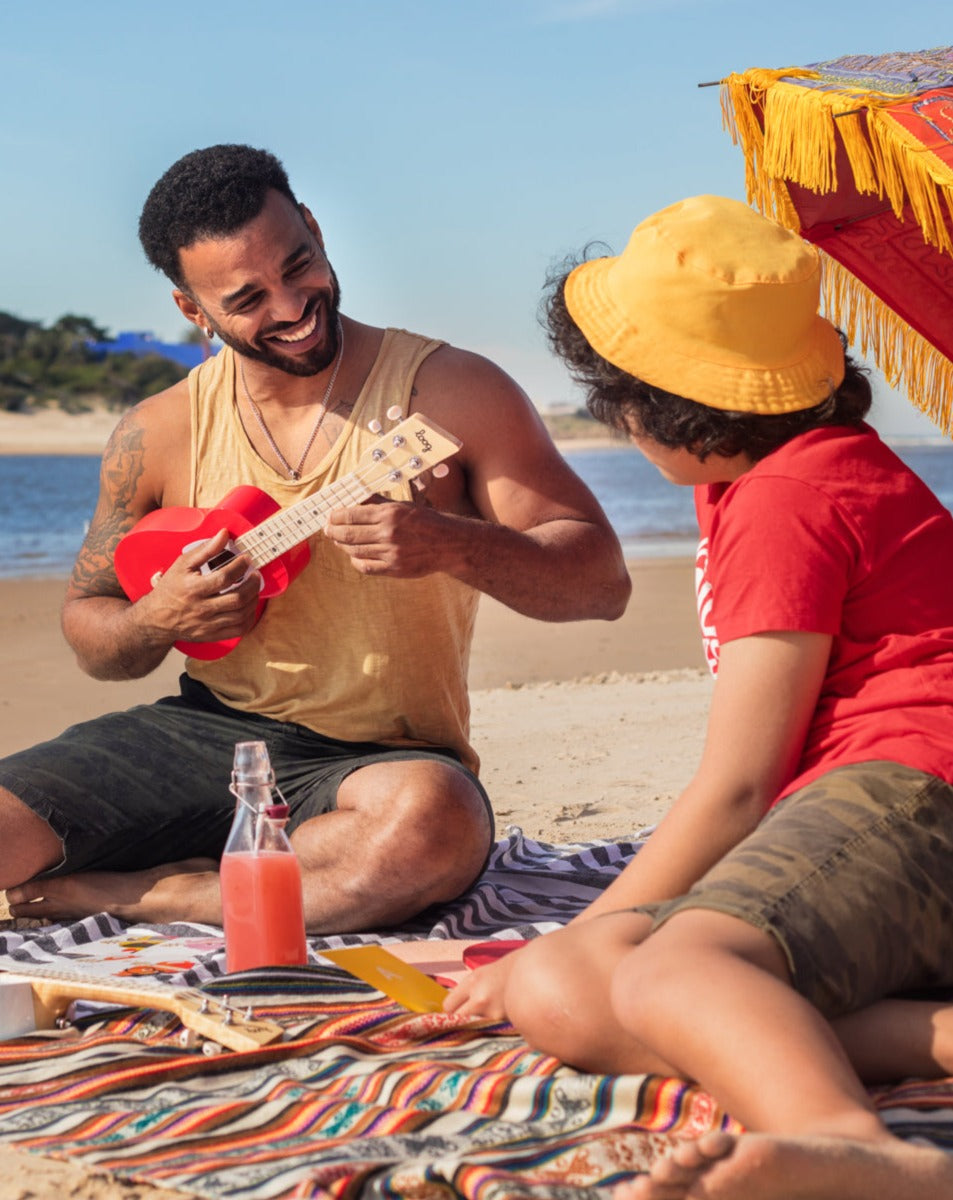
[897, 73]
[362, 1098]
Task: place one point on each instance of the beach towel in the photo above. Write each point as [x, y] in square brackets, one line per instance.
[362, 1098]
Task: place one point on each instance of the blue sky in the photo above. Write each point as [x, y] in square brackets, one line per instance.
[452, 150]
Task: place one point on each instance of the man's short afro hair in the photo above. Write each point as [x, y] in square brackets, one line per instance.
[206, 194]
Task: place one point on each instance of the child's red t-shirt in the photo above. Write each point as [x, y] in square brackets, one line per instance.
[832, 533]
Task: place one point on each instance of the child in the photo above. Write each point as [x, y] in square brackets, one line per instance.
[761, 941]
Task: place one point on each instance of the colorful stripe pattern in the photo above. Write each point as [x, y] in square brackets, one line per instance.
[368, 1098]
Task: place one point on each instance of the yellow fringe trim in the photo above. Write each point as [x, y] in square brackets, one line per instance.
[912, 173]
[742, 98]
[907, 359]
[790, 132]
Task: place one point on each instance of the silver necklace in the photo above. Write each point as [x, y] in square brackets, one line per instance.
[295, 472]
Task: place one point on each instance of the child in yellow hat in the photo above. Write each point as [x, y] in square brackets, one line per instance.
[763, 940]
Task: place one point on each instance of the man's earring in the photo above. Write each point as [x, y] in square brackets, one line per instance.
[208, 332]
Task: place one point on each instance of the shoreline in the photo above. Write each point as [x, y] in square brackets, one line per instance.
[53, 431]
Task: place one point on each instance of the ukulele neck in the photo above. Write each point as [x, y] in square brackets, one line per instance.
[278, 533]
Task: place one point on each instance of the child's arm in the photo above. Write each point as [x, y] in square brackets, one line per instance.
[764, 698]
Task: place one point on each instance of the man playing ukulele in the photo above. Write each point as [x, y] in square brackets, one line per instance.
[355, 676]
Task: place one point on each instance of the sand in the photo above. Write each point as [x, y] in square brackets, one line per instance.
[51, 431]
[585, 730]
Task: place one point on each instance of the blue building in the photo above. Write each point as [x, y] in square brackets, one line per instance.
[186, 354]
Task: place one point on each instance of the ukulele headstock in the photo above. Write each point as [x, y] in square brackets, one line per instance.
[406, 451]
[213, 1018]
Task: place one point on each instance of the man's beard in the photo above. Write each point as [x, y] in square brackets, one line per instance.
[315, 361]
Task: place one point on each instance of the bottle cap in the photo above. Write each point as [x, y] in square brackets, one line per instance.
[252, 764]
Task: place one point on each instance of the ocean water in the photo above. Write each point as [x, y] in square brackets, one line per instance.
[46, 502]
[654, 518]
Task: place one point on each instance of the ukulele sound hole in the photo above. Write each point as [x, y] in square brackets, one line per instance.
[219, 560]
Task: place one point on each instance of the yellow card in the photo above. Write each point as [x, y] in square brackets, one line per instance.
[390, 975]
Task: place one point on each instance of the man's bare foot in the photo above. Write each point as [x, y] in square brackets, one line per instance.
[182, 891]
[720, 1166]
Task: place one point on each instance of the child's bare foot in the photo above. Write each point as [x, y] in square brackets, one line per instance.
[182, 891]
[719, 1166]
[674, 1175]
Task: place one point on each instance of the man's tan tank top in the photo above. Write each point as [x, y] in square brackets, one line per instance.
[350, 656]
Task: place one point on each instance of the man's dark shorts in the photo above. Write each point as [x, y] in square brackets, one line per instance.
[136, 789]
[853, 877]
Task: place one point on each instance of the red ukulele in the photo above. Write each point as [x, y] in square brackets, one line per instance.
[274, 538]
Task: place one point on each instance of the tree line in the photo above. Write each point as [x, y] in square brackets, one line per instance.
[55, 365]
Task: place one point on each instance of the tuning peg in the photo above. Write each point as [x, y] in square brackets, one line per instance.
[394, 413]
[440, 470]
[374, 426]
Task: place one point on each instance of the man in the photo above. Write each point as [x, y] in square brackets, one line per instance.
[355, 676]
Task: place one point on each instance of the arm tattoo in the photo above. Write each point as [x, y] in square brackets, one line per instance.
[120, 478]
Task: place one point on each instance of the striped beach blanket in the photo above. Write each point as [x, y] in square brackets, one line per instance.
[527, 888]
[361, 1098]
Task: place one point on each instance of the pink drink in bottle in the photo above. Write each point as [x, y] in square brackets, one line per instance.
[260, 878]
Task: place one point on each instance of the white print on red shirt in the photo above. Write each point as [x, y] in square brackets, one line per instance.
[703, 598]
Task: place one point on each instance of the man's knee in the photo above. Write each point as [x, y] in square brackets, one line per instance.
[30, 844]
[452, 825]
[428, 812]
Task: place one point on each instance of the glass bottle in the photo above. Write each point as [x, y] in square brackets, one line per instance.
[260, 878]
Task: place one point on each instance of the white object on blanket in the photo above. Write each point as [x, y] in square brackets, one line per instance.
[17, 1011]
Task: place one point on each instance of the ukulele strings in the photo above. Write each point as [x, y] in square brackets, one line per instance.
[306, 514]
[156, 989]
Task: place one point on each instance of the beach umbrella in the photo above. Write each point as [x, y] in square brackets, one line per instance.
[857, 155]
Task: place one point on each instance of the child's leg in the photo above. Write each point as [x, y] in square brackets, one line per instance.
[558, 1000]
[897, 1038]
[557, 995]
[710, 994]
